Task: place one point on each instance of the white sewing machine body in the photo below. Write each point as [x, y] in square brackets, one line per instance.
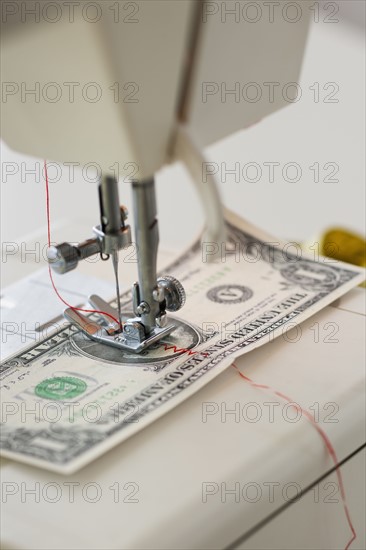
[110, 87]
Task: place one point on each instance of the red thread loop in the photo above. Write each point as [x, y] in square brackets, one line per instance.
[76, 309]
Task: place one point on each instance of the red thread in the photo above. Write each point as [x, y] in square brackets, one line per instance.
[322, 434]
[183, 350]
[76, 309]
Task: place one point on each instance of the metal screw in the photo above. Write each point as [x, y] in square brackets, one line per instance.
[161, 320]
[158, 294]
[143, 308]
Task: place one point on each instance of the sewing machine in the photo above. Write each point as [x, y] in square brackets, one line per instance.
[168, 82]
[150, 134]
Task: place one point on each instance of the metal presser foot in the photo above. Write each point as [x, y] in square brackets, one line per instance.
[131, 338]
[152, 296]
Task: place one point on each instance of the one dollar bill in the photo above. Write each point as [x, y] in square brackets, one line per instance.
[66, 400]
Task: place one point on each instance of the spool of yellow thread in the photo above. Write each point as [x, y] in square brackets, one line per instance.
[343, 245]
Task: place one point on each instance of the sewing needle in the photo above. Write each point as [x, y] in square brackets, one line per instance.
[115, 267]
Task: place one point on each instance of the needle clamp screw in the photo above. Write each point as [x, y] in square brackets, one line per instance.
[174, 293]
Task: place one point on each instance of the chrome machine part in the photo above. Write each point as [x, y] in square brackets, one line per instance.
[151, 295]
[65, 257]
[147, 241]
[110, 236]
[112, 232]
[173, 291]
[132, 339]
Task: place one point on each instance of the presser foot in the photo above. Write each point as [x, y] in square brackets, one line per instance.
[129, 337]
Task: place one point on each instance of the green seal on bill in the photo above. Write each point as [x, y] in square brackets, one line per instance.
[60, 388]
